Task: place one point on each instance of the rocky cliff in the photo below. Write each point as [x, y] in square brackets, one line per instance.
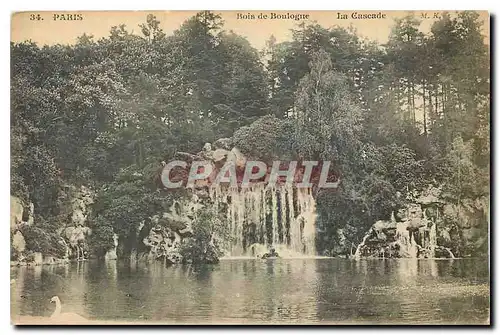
[33, 242]
[430, 226]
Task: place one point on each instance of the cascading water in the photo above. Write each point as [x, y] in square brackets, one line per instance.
[261, 218]
[407, 243]
[433, 241]
[357, 254]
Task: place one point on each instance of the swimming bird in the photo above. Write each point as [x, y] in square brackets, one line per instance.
[68, 318]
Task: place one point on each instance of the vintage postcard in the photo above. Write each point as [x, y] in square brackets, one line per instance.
[250, 167]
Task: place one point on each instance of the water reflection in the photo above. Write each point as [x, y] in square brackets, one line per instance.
[301, 290]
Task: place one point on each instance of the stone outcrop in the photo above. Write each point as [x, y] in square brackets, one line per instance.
[220, 156]
[467, 222]
[75, 234]
[76, 238]
[224, 143]
[429, 227]
[18, 242]
[163, 240]
[82, 199]
[75, 210]
[20, 214]
[164, 244]
[16, 212]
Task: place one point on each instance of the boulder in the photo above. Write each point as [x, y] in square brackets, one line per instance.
[164, 244]
[383, 225]
[163, 240]
[77, 234]
[445, 235]
[223, 143]
[414, 224]
[16, 212]
[384, 229]
[18, 242]
[207, 152]
[220, 155]
[207, 147]
[430, 197]
[237, 158]
[401, 214]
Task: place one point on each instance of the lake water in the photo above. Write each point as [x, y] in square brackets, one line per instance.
[292, 291]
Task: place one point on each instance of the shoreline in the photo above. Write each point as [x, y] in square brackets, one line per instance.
[14, 264]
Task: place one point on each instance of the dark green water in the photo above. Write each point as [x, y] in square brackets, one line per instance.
[258, 291]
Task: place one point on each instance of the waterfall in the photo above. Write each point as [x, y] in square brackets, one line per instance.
[307, 220]
[433, 241]
[357, 254]
[408, 245]
[274, 211]
[407, 241]
[260, 217]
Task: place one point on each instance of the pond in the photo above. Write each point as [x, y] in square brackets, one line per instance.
[285, 291]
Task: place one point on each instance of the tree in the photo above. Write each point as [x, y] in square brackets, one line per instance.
[328, 123]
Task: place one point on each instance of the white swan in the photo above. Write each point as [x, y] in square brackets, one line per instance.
[68, 318]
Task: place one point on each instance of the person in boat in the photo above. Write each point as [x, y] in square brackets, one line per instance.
[272, 253]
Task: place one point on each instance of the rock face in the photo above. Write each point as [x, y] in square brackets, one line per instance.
[18, 242]
[76, 232]
[76, 238]
[220, 156]
[164, 244]
[80, 205]
[467, 223]
[166, 232]
[430, 227]
[19, 215]
[380, 240]
[16, 212]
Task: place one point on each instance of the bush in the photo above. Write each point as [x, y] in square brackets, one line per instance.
[43, 239]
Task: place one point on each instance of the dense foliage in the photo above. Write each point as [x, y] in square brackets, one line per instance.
[392, 118]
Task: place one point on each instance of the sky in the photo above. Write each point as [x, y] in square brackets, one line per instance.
[44, 29]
